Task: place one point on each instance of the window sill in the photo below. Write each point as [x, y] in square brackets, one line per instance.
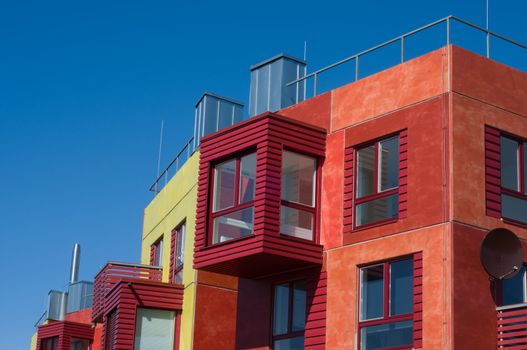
[230, 241]
[514, 222]
[374, 224]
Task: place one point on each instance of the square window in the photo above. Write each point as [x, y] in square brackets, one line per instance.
[386, 304]
[377, 173]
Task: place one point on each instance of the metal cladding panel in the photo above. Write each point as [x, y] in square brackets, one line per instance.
[269, 91]
[57, 303]
[213, 113]
[80, 296]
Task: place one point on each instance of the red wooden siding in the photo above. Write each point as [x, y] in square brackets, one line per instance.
[315, 332]
[349, 154]
[512, 327]
[64, 330]
[268, 134]
[172, 255]
[153, 252]
[403, 174]
[418, 300]
[492, 172]
[129, 294]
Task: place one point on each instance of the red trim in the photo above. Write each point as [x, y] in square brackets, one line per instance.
[64, 331]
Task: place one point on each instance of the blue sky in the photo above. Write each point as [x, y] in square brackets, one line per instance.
[84, 86]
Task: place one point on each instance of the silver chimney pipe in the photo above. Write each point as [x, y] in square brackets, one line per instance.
[75, 262]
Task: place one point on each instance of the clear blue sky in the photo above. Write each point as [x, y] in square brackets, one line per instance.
[84, 86]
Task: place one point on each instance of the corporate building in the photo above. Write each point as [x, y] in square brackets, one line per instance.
[352, 219]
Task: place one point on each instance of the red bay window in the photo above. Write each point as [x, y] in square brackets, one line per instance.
[232, 213]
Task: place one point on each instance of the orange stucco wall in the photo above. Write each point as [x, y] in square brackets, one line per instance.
[342, 267]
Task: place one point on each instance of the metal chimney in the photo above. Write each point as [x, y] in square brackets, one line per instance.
[57, 304]
[269, 84]
[75, 262]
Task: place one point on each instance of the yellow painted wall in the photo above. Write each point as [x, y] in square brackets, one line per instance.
[175, 204]
[33, 345]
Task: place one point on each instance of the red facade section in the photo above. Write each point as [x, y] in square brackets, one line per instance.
[418, 300]
[123, 301]
[265, 251]
[512, 331]
[492, 172]
[172, 255]
[315, 332]
[403, 174]
[349, 154]
[153, 252]
[64, 330]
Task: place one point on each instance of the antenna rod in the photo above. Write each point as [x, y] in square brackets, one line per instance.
[305, 49]
[160, 147]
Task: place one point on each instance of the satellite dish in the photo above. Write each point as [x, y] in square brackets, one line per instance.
[501, 254]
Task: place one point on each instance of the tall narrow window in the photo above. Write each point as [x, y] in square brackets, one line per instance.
[156, 253]
[233, 198]
[297, 212]
[513, 157]
[386, 305]
[79, 344]
[177, 253]
[154, 329]
[50, 344]
[289, 316]
[513, 290]
[376, 195]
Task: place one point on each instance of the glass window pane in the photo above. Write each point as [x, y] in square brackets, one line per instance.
[154, 329]
[525, 167]
[298, 178]
[365, 171]
[513, 208]
[296, 223]
[281, 309]
[233, 225]
[509, 164]
[513, 290]
[377, 210]
[386, 335]
[371, 292]
[224, 179]
[389, 163]
[247, 178]
[401, 287]
[299, 306]
[158, 253]
[79, 344]
[180, 245]
[289, 344]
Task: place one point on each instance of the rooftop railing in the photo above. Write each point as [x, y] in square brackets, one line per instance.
[183, 155]
[512, 326]
[448, 24]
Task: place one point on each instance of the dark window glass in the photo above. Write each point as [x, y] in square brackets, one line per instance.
[289, 344]
[525, 167]
[388, 163]
[387, 335]
[366, 171]
[513, 208]
[247, 177]
[299, 306]
[377, 210]
[372, 292]
[509, 164]
[50, 344]
[401, 287]
[281, 309]
[513, 290]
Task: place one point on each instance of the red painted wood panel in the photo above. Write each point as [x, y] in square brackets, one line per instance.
[172, 255]
[418, 300]
[492, 172]
[64, 330]
[349, 154]
[403, 174]
[268, 135]
[315, 332]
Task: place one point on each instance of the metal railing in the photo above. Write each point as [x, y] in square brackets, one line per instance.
[174, 165]
[512, 326]
[111, 274]
[447, 21]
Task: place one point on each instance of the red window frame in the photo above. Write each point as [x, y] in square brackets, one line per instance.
[376, 193]
[174, 248]
[156, 251]
[236, 205]
[521, 192]
[300, 206]
[290, 334]
[386, 302]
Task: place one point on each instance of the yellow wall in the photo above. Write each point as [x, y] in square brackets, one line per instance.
[33, 345]
[176, 203]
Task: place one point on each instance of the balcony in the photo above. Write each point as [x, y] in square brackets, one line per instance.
[512, 326]
[115, 273]
[244, 196]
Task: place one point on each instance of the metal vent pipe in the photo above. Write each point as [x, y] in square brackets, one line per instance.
[75, 262]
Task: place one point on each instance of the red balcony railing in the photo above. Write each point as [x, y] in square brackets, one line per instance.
[111, 274]
[512, 326]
